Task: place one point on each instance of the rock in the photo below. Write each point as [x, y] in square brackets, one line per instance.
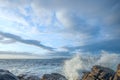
[98, 73]
[28, 77]
[85, 75]
[6, 75]
[53, 76]
[117, 74]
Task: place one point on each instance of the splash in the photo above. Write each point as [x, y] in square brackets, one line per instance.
[74, 68]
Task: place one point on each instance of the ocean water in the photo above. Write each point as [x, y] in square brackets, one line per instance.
[32, 66]
[71, 68]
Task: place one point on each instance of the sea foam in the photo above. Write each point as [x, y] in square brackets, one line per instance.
[74, 68]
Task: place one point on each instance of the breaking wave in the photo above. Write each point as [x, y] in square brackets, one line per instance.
[74, 68]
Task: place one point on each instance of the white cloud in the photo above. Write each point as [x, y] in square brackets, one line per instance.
[8, 15]
[78, 22]
[41, 16]
[62, 49]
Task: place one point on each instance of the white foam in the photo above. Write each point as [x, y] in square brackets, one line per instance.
[83, 61]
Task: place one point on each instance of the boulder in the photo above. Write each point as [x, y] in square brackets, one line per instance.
[98, 73]
[53, 76]
[6, 75]
[28, 77]
[117, 74]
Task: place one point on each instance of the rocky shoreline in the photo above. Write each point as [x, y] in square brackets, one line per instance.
[97, 73]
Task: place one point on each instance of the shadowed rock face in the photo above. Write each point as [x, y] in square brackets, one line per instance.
[99, 73]
[53, 76]
[28, 77]
[6, 75]
[117, 74]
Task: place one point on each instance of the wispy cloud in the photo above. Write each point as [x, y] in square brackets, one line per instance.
[29, 42]
[108, 45]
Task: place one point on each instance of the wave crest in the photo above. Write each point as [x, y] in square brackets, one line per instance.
[73, 68]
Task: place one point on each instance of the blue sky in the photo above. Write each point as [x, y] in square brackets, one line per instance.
[58, 28]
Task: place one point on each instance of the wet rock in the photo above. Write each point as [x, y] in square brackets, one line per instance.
[6, 75]
[98, 73]
[28, 77]
[117, 74]
[53, 76]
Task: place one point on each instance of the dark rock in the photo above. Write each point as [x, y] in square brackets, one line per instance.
[98, 73]
[28, 77]
[6, 75]
[53, 76]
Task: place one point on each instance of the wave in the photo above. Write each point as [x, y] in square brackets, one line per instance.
[74, 68]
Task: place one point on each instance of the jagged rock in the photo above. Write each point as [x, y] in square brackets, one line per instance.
[53, 76]
[6, 75]
[28, 77]
[98, 73]
[117, 74]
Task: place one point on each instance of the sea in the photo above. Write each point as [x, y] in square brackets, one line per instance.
[72, 68]
[32, 66]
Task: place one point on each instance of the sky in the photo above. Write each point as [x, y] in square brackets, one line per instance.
[58, 28]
